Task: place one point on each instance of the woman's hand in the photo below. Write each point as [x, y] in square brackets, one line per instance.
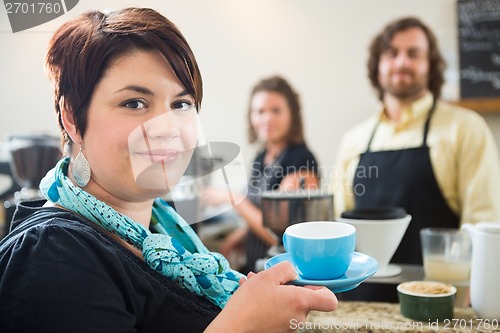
[263, 303]
[294, 181]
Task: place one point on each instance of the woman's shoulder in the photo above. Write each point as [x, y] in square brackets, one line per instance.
[33, 216]
[299, 149]
[50, 258]
[38, 229]
[299, 155]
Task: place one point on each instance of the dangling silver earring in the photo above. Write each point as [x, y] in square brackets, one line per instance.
[81, 169]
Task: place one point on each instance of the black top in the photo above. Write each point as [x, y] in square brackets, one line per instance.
[60, 273]
[293, 159]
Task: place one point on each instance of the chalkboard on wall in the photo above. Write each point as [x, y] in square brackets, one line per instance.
[479, 43]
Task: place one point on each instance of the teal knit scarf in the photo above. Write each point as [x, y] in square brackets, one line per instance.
[174, 250]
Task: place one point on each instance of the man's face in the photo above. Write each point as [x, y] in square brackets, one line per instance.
[403, 69]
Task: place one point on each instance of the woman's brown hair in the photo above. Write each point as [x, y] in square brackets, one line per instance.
[279, 85]
[382, 42]
[82, 49]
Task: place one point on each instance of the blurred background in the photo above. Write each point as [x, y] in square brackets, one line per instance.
[320, 46]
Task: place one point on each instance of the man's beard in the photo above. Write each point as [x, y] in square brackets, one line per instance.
[406, 91]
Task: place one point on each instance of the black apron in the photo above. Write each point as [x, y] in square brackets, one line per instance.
[402, 178]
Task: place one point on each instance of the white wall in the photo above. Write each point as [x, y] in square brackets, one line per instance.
[320, 46]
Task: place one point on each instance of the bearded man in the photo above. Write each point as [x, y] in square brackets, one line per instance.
[436, 160]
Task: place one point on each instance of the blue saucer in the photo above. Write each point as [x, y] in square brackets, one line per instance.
[361, 268]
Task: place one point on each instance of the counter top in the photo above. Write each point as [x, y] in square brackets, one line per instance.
[408, 273]
[375, 317]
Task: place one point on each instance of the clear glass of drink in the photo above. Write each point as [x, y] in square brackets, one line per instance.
[446, 254]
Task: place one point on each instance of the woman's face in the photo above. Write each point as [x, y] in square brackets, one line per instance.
[142, 129]
[270, 116]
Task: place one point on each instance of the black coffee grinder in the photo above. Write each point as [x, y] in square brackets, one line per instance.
[31, 156]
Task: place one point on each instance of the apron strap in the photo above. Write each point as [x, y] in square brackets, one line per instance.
[426, 128]
[427, 122]
[371, 137]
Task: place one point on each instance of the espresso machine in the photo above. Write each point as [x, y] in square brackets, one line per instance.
[282, 209]
[30, 157]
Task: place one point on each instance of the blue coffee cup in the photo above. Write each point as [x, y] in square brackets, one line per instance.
[320, 250]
